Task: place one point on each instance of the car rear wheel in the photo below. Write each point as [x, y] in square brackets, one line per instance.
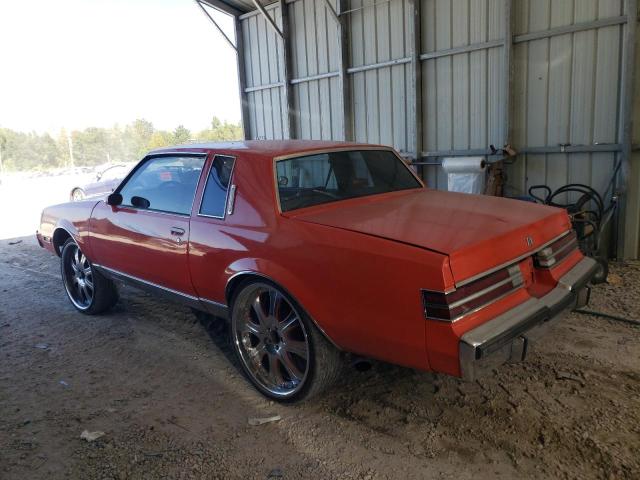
[77, 194]
[89, 291]
[280, 350]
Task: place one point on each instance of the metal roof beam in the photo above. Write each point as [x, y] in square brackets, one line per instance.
[199, 3]
[266, 15]
[223, 7]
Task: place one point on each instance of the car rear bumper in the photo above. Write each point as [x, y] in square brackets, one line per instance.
[508, 336]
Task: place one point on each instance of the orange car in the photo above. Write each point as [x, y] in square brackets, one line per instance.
[316, 249]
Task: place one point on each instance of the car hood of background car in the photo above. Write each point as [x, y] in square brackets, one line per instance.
[477, 232]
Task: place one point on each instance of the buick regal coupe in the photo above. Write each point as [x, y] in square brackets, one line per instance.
[314, 250]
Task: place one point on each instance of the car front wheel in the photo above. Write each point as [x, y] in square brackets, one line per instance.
[280, 350]
[89, 291]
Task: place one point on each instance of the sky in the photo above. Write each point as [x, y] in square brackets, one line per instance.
[96, 63]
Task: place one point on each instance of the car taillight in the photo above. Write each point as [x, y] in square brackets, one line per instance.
[557, 251]
[471, 296]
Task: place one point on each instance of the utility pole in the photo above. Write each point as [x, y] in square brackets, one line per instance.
[2, 141]
[71, 162]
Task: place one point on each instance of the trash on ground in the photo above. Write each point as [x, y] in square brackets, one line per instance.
[261, 421]
[42, 346]
[569, 376]
[614, 279]
[15, 242]
[91, 436]
[63, 383]
[275, 473]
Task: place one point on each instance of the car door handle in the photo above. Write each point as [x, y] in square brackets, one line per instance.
[177, 232]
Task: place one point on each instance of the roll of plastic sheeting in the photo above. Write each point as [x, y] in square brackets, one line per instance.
[465, 174]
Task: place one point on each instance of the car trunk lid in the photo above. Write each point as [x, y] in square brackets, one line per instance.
[477, 232]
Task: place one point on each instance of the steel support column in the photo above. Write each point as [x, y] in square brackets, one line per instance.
[507, 72]
[242, 79]
[287, 69]
[628, 224]
[415, 37]
[343, 81]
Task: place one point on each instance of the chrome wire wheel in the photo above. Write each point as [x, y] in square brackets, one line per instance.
[271, 340]
[78, 277]
[77, 195]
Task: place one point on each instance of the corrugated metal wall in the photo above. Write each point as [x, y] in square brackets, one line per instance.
[263, 53]
[566, 91]
[565, 88]
[463, 93]
[314, 42]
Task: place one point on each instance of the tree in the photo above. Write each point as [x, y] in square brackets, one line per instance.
[181, 135]
[220, 131]
[160, 139]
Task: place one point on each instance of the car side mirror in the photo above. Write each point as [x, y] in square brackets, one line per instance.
[114, 199]
[140, 202]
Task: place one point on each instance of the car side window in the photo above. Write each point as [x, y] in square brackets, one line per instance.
[214, 198]
[168, 183]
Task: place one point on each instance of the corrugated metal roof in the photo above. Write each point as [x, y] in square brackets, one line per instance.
[243, 6]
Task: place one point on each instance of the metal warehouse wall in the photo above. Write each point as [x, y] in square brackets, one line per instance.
[556, 91]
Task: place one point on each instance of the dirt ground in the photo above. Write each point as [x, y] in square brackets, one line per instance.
[172, 404]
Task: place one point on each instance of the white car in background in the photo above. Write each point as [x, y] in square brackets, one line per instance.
[105, 182]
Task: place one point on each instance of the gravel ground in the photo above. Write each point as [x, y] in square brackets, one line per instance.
[162, 387]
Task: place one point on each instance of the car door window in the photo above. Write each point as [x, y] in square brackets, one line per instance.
[214, 199]
[168, 183]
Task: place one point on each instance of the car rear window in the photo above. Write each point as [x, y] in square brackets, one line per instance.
[329, 177]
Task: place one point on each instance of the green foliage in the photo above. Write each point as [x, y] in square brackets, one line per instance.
[220, 132]
[94, 146]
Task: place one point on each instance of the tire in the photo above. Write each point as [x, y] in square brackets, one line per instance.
[77, 194]
[89, 291]
[271, 346]
[603, 270]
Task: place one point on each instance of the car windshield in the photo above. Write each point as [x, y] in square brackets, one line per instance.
[328, 177]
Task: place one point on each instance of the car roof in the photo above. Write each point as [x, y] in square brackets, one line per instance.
[264, 148]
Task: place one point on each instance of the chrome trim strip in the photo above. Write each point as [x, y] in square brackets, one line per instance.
[354, 148]
[204, 304]
[206, 182]
[475, 310]
[319, 151]
[231, 200]
[515, 279]
[215, 308]
[529, 320]
[515, 260]
[131, 278]
[151, 156]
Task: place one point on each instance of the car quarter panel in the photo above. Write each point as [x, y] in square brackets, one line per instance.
[364, 295]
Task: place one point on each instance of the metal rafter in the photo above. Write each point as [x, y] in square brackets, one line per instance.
[204, 10]
[267, 17]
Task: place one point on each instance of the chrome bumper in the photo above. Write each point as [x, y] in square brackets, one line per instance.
[508, 336]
